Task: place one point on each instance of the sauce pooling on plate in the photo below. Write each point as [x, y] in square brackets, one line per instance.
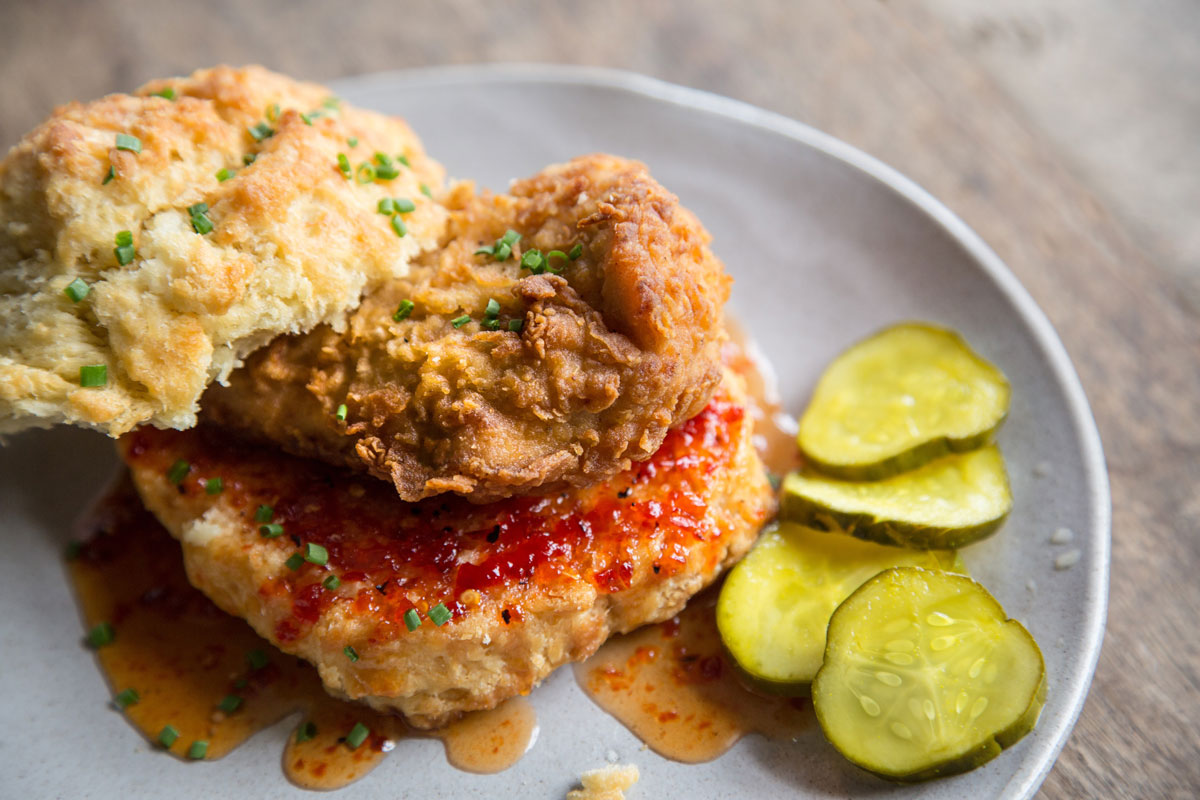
[671, 686]
[198, 682]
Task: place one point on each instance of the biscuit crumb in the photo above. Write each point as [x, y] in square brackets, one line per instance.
[607, 783]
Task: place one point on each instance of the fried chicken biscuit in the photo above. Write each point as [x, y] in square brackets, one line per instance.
[504, 366]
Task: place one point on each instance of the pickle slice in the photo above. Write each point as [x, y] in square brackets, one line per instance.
[899, 399]
[948, 503]
[924, 676]
[776, 603]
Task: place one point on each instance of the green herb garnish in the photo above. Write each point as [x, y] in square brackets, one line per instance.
[439, 614]
[316, 554]
[198, 750]
[332, 582]
[168, 736]
[230, 703]
[77, 290]
[178, 471]
[131, 143]
[294, 562]
[272, 530]
[306, 732]
[357, 735]
[264, 513]
[127, 698]
[93, 375]
[412, 620]
[406, 308]
[350, 652]
[101, 634]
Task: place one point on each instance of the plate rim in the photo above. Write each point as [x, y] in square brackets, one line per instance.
[1030, 775]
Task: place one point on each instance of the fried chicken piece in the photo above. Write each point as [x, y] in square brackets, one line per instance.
[285, 240]
[574, 376]
[529, 583]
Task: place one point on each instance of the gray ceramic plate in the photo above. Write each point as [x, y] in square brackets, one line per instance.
[826, 245]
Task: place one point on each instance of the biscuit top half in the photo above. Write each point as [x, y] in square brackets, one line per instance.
[149, 241]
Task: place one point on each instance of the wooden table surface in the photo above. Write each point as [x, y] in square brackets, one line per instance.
[888, 79]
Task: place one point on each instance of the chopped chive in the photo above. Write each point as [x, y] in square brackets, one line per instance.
[316, 554]
[308, 118]
[403, 159]
[352, 141]
[168, 735]
[108, 176]
[131, 143]
[93, 375]
[559, 254]
[261, 131]
[458, 322]
[272, 530]
[306, 732]
[439, 614]
[534, 261]
[124, 250]
[406, 308]
[350, 652]
[230, 703]
[224, 174]
[264, 513]
[412, 620]
[387, 205]
[515, 325]
[101, 634]
[214, 486]
[344, 164]
[332, 582]
[490, 250]
[127, 698]
[425, 190]
[332, 102]
[491, 324]
[167, 93]
[341, 412]
[199, 216]
[77, 290]
[257, 659]
[272, 112]
[357, 735]
[382, 159]
[387, 172]
[576, 251]
[503, 251]
[365, 173]
[198, 750]
[493, 308]
[178, 471]
[398, 226]
[294, 562]
[404, 205]
[248, 159]
[72, 550]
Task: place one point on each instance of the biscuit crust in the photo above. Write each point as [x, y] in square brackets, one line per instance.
[294, 242]
[531, 583]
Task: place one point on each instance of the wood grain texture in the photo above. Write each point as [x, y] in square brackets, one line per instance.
[886, 78]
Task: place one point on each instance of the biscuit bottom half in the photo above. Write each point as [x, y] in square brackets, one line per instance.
[452, 606]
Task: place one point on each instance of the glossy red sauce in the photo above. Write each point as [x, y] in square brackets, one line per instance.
[393, 556]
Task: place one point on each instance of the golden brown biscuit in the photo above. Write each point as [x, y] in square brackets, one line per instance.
[530, 583]
[294, 241]
[582, 369]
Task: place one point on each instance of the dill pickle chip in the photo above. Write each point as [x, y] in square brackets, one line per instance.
[776, 603]
[898, 400]
[948, 503]
[925, 676]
